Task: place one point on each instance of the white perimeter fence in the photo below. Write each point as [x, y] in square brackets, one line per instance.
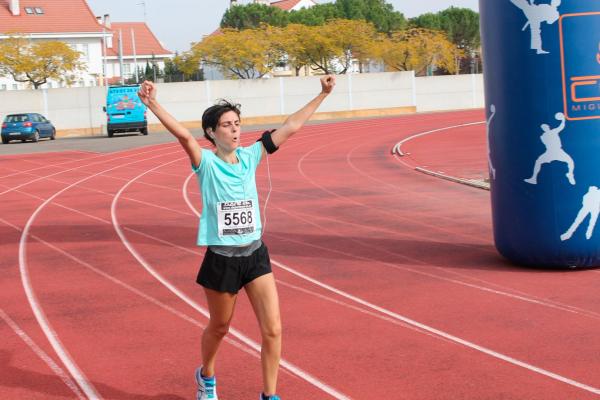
[80, 109]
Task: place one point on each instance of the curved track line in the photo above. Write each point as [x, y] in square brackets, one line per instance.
[68, 170]
[397, 152]
[397, 147]
[517, 295]
[58, 347]
[443, 334]
[41, 353]
[435, 331]
[240, 336]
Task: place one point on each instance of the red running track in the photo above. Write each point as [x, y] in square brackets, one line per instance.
[389, 283]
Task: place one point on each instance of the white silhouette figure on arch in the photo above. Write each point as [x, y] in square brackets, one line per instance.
[536, 14]
[554, 151]
[488, 123]
[590, 205]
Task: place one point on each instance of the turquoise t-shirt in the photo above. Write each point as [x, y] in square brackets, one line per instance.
[230, 209]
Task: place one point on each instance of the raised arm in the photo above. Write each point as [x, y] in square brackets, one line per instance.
[295, 121]
[147, 95]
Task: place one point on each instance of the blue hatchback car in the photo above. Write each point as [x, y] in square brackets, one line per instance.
[27, 126]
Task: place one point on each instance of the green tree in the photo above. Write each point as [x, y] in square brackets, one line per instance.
[460, 24]
[378, 12]
[316, 15]
[462, 27]
[426, 21]
[38, 62]
[252, 16]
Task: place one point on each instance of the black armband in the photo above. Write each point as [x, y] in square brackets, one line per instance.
[267, 142]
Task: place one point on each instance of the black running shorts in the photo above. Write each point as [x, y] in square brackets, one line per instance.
[230, 274]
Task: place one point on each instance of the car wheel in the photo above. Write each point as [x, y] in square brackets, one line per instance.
[53, 136]
[36, 136]
[5, 140]
[110, 133]
[144, 131]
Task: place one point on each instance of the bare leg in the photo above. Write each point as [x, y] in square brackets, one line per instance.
[262, 293]
[220, 306]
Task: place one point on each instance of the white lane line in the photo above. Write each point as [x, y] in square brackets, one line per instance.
[517, 295]
[128, 287]
[435, 331]
[187, 250]
[76, 168]
[234, 332]
[440, 333]
[397, 153]
[41, 354]
[397, 149]
[38, 312]
[358, 309]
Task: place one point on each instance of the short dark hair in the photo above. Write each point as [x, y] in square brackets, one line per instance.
[212, 115]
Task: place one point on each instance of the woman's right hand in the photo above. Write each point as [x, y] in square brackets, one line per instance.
[147, 92]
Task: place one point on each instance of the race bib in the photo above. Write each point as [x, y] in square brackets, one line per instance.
[236, 218]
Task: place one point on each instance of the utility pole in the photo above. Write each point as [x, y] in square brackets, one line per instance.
[121, 56]
[134, 56]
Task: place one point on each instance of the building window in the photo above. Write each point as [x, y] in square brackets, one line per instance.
[3, 87]
[15, 86]
[39, 11]
[84, 49]
[126, 69]
[28, 10]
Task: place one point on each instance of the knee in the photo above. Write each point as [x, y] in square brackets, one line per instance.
[217, 329]
[272, 331]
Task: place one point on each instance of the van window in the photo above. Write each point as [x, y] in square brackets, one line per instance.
[17, 118]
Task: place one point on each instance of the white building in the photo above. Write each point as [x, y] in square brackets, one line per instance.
[73, 22]
[69, 21]
[138, 47]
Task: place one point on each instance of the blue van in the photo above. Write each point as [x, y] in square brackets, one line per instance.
[124, 110]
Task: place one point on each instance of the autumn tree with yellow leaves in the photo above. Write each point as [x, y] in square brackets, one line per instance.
[417, 49]
[37, 62]
[245, 54]
[329, 48]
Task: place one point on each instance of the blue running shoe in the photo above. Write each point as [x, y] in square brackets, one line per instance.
[273, 397]
[207, 387]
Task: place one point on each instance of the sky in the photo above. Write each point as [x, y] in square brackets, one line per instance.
[178, 23]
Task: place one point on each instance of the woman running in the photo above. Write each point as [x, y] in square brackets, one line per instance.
[230, 227]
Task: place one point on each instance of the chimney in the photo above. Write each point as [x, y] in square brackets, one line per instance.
[109, 38]
[107, 21]
[99, 20]
[13, 6]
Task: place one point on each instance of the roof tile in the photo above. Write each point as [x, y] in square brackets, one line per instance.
[60, 16]
[145, 41]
